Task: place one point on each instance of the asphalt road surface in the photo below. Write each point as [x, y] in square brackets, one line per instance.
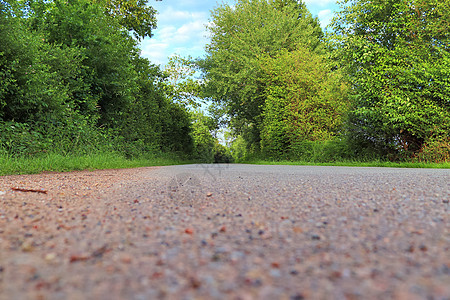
[226, 232]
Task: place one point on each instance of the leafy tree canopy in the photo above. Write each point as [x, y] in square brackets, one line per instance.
[181, 84]
[72, 80]
[243, 34]
[305, 101]
[134, 15]
[397, 55]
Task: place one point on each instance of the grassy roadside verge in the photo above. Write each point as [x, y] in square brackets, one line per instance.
[355, 164]
[60, 163]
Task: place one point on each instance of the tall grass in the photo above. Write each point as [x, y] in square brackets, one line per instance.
[352, 163]
[55, 162]
[338, 153]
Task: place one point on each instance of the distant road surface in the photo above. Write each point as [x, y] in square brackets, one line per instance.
[226, 232]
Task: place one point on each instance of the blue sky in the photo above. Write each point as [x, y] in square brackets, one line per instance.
[181, 26]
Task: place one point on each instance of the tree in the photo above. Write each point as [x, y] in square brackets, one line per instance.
[38, 106]
[31, 85]
[134, 15]
[107, 49]
[305, 101]
[181, 84]
[72, 78]
[203, 140]
[241, 37]
[397, 57]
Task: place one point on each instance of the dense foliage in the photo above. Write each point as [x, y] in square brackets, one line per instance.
[304, 101]
[397, 57]
[266, 65]
[241, 36]
[72, 80]
[377, 86]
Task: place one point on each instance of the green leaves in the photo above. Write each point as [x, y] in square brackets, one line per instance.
[305, 101]
[181, 84]
[241, 37]
[396, 56]
[134, 15]
[72, 81]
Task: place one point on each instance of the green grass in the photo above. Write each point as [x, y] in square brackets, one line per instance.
[355, 164]
[60, 163]
[64, 163]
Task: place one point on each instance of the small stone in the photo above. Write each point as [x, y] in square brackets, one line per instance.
[255, 282]
[209, 195]
[297, 297]
[297, 230]
[315, 237]
[27, 246]
[216, 256]
[275, 265]
[189, 231]
[50, 257]
[445, 201]
[195, 283]
[320, 224]
[79, 257]
[275, 273]
[126, 259]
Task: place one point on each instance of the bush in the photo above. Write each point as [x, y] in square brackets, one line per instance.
[434, 151]
[305, 101]
[17, 139]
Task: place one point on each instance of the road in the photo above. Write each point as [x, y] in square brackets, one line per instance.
[226, 232]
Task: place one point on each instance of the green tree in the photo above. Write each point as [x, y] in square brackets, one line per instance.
[38, 109]
[108, 51]
[305, 101]
[181, 84]
[397, 57]
[29, 87]
[135, 15]
[71, 77]
[203, 140]
[241, 37]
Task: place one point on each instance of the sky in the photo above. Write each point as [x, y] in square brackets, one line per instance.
[181, 26]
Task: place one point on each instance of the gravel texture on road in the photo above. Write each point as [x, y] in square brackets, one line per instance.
[226, 232]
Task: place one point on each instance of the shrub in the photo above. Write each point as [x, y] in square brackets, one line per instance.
[434, 151]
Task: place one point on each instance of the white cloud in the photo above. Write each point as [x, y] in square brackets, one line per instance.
[170, 15]
[319, 2]
[325, 17]
[181, 32]
[191, 32]
[182, 27]
[156, 52]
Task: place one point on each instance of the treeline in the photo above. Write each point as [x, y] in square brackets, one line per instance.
[72, 81]
[375, 87]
